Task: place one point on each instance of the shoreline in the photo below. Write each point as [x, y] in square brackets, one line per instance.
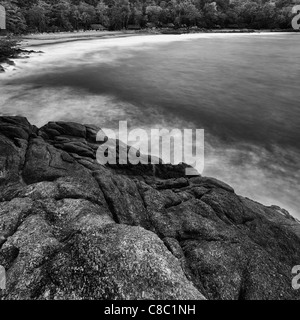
[65, 37]
[56, 38]
[81, 47]
[45, 39]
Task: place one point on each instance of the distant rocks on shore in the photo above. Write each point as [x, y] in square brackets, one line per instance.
[73, 229]
[19, 54]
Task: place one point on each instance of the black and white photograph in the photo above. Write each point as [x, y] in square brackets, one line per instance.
[149, 153]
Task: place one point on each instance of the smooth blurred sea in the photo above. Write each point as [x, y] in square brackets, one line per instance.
[243, 89]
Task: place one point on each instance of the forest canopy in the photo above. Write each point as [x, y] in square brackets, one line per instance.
[27, 16]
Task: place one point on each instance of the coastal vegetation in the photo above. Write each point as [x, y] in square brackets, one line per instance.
[8, 48]
[28, 16]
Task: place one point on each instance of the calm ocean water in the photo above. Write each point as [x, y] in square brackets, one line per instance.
[244, 90]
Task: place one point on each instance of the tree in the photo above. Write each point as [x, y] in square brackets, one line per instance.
[75, 17]
[119, 14]
[211, 16]
[57, 15]
[102, 14]
[15, 20]
[136, 16]
[284, 18]
[153, 13]
[38, 16]
[189, 14]
[87, 14]
[246, 12]
[60, 15]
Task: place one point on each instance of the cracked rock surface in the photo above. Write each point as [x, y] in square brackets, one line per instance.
[71, 228]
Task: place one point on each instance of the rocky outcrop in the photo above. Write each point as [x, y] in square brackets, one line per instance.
[71, 228]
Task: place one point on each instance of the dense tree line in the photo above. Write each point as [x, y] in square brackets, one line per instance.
[68, 15]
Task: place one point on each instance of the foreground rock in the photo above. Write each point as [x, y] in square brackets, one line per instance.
[73, 229]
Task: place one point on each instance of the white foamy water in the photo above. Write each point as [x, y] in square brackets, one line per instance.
[241, 88]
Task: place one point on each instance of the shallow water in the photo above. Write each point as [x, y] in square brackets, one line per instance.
[243, 89]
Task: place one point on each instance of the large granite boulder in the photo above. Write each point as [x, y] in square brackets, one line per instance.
[71, 228]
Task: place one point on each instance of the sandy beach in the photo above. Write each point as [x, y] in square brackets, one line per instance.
[62, 37]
